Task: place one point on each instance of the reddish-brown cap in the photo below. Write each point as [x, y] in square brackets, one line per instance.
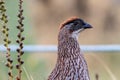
[67, 21]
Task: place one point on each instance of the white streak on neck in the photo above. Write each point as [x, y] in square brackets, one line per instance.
[76, 33]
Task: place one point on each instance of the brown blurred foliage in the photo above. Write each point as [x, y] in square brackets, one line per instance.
[102, 15]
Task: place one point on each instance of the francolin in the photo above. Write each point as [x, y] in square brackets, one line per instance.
[71, 64]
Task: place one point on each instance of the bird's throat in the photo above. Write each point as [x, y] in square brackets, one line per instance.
[69, 47]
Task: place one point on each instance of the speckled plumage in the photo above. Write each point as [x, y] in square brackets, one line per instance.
[71, 64]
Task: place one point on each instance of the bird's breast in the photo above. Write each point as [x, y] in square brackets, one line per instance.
[71, 69]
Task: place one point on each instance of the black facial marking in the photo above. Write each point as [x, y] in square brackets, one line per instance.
[76, 21]
[78, 24]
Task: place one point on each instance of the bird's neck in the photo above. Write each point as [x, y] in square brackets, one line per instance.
[68, 47]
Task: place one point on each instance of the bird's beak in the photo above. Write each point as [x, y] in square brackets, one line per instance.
[86, 26]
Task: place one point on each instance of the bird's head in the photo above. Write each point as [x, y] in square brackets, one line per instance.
[73, 26]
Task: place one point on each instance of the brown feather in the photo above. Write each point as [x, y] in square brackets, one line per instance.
[67, 21]
[71, 64]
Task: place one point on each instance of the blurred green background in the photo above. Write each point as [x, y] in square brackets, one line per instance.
[42, 20]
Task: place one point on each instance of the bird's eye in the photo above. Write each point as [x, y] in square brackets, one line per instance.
[75, 23]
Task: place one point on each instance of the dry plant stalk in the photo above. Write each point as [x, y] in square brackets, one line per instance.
[96, 76]
[20, 41]
[4, 20]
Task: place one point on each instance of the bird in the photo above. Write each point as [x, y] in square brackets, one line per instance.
[71, 64]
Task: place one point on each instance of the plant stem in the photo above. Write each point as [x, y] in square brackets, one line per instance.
[6, 40]
[20, 40]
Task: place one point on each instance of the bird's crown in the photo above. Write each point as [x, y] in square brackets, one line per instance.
[70, 20]
[77, 24]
